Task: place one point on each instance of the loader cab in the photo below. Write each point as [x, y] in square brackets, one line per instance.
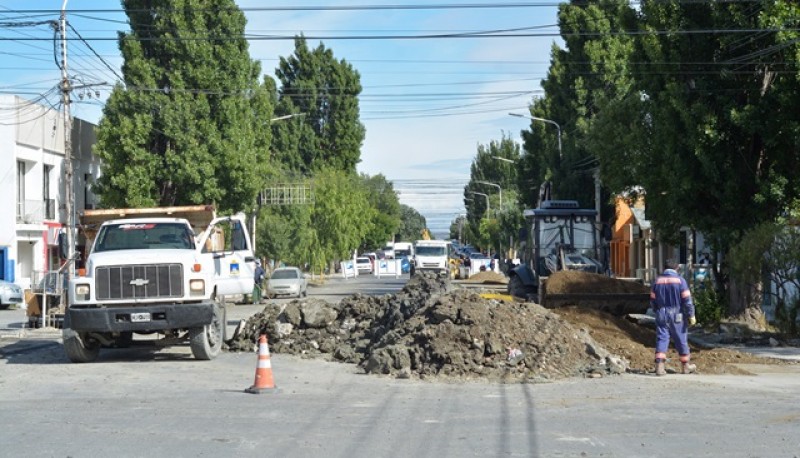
[562, 236]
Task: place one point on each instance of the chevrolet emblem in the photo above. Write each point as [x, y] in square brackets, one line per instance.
[139, 282]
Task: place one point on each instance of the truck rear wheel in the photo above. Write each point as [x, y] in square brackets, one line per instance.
[206, 341]
[78, 347]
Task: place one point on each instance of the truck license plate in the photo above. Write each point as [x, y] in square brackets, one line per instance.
[140, 317]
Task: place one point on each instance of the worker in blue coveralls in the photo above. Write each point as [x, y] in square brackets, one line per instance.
[671, 301]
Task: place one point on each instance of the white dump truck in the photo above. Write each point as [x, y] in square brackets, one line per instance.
[163, 272]
[431, 255]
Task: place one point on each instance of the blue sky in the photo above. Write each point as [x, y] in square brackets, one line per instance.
[426, 103]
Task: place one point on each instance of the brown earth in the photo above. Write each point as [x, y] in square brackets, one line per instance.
[489, 277]
[431, 329]
[636, 344]
[575, 282]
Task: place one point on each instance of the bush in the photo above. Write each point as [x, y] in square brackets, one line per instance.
[786, 312]
[708, 308]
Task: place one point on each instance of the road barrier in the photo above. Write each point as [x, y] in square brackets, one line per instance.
[388, 267]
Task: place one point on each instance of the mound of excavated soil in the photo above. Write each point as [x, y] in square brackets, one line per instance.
[489, 277]
[636, 344]
[428, 330]
[575, 282]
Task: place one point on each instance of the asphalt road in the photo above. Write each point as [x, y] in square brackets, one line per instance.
[138, 402]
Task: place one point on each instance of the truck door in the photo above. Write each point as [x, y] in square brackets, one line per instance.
[225, 249]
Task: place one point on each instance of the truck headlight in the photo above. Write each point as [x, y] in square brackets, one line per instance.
[197, 287]
[82, 292]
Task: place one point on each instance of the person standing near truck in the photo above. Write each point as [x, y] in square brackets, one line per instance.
[258, 277]
[671, 301]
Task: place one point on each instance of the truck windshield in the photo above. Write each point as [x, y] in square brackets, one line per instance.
[139, 236]
[431, 251]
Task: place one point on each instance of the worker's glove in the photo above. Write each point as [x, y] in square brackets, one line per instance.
[692, 321]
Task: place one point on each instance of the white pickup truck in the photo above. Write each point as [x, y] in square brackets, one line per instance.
[149, 272]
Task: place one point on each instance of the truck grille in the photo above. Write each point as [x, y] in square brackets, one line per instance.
[139, 282]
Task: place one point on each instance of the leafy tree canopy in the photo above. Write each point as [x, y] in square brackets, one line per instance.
[325, 91]
[412, 224]
[190, 123]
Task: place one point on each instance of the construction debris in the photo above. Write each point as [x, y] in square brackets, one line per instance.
[431, 329]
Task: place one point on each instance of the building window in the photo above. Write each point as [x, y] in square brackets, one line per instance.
[20, 190]
[49, 204]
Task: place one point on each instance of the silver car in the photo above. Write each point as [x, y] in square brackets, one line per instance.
[287, 281]
[10, 293]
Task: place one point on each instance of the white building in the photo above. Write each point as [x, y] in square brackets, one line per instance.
[32, 177]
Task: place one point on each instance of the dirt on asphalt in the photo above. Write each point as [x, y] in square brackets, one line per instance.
[432, 329]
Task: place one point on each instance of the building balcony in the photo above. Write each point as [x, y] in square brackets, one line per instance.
[36, 211]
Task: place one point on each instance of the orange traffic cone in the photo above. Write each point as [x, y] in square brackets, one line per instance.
[264, 382]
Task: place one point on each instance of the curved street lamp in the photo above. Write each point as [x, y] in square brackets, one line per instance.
[504, 159]
[488, 207]
[549, 121]
[499, 189]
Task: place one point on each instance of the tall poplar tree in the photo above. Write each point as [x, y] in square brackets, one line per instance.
[190, 122]
[325, 92]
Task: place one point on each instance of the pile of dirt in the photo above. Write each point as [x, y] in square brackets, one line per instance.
[595, 291]
[489, 277]
[429, 329]
[576, 282]
[636, 344]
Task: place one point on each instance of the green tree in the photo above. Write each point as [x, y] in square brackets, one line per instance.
[584, 77]
[492, 176]
[771, 251]
[190, 124]
[342, 216]
[412, 224]
[383, 199]
[325, 91]
[704, 123]
[719, 147]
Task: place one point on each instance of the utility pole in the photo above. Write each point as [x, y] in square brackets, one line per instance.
[597, 195]
[66, 88]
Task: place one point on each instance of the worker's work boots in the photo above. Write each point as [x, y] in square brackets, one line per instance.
[689, 368]
[660, 369]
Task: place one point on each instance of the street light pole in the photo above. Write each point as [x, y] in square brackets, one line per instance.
[549, 121]
[499, 189]
[504, 159]
[488, 206]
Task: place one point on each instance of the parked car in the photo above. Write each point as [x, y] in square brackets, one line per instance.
[10, 293]
[287, 281]
[364, 264]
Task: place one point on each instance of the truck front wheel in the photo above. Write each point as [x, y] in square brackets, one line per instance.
[206, 342]
[79, 348]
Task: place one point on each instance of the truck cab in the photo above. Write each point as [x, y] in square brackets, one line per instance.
[560, 236]
[153, 274]
[431, 256]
